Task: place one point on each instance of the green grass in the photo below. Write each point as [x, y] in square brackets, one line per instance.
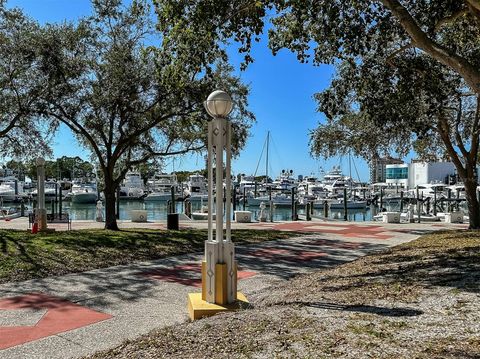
[25, 256]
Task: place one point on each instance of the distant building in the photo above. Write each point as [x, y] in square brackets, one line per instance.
[378, 167]
[397, 174]
[429, 172]
[409, 175]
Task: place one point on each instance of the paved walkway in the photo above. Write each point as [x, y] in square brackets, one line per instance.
[79, 314]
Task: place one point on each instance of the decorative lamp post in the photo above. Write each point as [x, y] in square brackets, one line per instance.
[41, 212]
[219, 268]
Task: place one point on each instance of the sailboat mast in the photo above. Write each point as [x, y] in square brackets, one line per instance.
[266, 162]
[350, 170]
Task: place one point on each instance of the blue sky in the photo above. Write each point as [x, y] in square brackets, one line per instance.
[281, 97]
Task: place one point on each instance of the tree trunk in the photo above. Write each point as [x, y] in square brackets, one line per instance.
[472, 202]
[110, 206]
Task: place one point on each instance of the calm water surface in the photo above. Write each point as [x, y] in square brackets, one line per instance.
[158, 211]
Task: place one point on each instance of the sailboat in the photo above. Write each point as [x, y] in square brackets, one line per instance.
[280, 196]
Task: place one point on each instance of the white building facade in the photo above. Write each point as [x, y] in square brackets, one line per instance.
[410, 175]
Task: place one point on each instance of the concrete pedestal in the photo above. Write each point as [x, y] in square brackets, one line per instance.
[138, 215]
[243, 216]
[454, 217]
[391, 217]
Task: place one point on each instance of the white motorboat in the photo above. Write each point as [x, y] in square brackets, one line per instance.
[200, 216]
[335, 182]
[10, 189]
[278, 200]
[132, 187]
[340, 204]
[7, 193]
[161, 187]
[429, 190]
[84, 193]
[247, 183]
[457, 190]
[285, 182]
[311, 189]
[51, 190]
[196, 190]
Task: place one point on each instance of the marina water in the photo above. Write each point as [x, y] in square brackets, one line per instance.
[158, 211]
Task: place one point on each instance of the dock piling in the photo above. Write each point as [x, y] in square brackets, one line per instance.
[271, 211]
[172, 194]
[60, 202]
[381, 199]
[418, 205]
[307, 211]
[293, 205]
[244, 197]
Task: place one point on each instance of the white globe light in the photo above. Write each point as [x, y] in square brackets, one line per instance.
[219, 104]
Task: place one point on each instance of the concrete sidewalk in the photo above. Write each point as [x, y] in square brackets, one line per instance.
[22, 224]
[79, 314]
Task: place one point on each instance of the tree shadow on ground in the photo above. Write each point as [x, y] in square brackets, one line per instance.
[61, 254]
[286, 259]
[370, 309]
[456, 268]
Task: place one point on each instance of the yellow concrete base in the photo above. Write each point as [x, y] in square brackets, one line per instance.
[198, 308]
[220, 281]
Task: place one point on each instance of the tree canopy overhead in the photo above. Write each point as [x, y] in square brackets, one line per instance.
[21, 132]
[327, 30]
[129, 101]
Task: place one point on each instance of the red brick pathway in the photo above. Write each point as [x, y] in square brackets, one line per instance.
[344, 230]
[289, 255]
[61, 316]
[188, 274]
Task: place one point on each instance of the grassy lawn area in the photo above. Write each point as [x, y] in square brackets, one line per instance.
[25, 256]
[417, 300]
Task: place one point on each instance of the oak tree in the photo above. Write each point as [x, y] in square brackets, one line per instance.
[22, 133]
[126, 96]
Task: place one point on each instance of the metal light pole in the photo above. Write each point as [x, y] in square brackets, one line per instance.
[219, 269]
[41, 212]
[219, 252]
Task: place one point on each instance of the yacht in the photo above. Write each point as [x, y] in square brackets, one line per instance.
[84, 193]
[7, 193]
[457, 190]
[132, 186]
[11, 189]
[311, 189]
[351, 204]
[161, 187]
[196, 188]
[429, 190]
[278, 200]
[247, 183]
[285, 182]
[334, 180]
[51, 190]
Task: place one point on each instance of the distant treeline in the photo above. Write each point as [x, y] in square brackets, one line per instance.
[60, 168]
